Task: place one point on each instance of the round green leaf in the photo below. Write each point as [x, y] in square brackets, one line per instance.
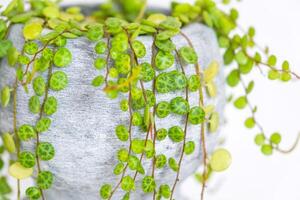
[62, 57]
[50, 105]
[188, 54]
[45, 180]
[179, 106]
[58, 81]
[164, 60]
[176, 134]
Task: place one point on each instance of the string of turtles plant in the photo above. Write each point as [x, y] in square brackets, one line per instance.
[114, 29]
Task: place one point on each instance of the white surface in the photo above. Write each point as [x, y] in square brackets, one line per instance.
[253, 176]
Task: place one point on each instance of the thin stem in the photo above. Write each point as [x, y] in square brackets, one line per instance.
[107, 59]
[251, 108]
[154, 111]
[17, 139]
[142, 12]
[297, 76]
[292, 148]
[185, 132]
[37, 53]
[130, 139]
[40, 117]
[202, 131]
[259, 126]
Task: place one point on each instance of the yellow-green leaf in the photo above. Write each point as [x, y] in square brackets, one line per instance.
[220, 160]
[51, 12]
[17, 171]
[5, 96]
[157, 18]
[211, 71]
[211, 89]
[209, 109]
[214, 122]
[9, 142]
[32, 30]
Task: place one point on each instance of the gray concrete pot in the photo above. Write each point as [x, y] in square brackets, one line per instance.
[82, 130]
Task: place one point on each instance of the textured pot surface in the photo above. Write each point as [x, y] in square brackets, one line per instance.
[82, 129]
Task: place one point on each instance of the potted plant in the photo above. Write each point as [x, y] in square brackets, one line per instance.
[121, 102]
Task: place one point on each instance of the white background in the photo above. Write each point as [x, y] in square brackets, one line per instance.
[253, 176]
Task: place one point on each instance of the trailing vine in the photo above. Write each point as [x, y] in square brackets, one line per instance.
[115, 31]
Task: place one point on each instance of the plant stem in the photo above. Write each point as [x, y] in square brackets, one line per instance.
[154, 110]
[17, 139]
[40, 117]
[202, 131]
[185, 132]
[141, 13]
[107, 59]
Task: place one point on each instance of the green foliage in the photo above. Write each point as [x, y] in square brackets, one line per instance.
[62, 57]
[100, 63]
[31, 48]
[148, 184]
[50, 105]
[95, 32]
[26, 132]
[249, 122]
[139, 49]
[45, 151]
[165, 191]
[233, 78]
[196, 115]
[58, 81]
[173, 164]
[5, 96]
[161, 134]
[105, 191]
[147, 72]
[33, 193]
[160, 161]
[127, 184]
[189, 147]
[34, 104]
[27, 159]
[133, 162]
[39, 85]
[164, 60]
[123, 155]
[98, 81]
[275, 138]
[179, 106]
[163, 109]
[240, 102]
[119, 49]
[137, 119]
[100, 47]
[118, 168]
[188, 54]
[9, 142]
[260, 139]
[45, 180]
[122, 133]
[176, 134]
[43, 124]
[5, 46]
[194, 83]
[165, 45]
[267, 149]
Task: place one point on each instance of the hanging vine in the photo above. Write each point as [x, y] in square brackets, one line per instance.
[115, 31]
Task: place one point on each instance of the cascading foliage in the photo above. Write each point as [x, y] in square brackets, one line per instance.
[114, 31]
